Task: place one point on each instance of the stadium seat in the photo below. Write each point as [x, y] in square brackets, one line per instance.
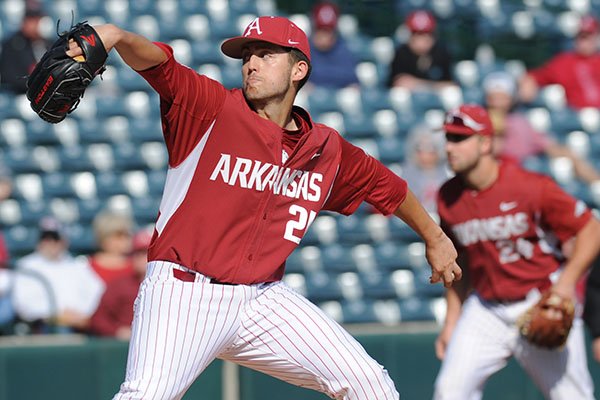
[404, 284]
[337, 258]
[391, 149]
[145, 209]
[28, 187]
[322, 286]
[358, 311]
[40, 132]
[296, 281]
[20, 240]
[377, 285]
[10, 212]
[415, 309]
[350, 286]
[353, 229]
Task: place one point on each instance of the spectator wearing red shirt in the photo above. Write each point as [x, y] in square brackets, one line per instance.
[115, 312]
[578, 71]
[113, 233]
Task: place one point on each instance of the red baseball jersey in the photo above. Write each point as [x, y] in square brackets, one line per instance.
[579, 75]
[510, 232]
[241, 191]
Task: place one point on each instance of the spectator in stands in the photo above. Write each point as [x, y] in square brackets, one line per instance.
[422, 63]
[22, 50]
[115, 311]
[578, 71]
[53, 287]
[425, 164]
[113, 233]
[514, 136]
[334, 65]
[591, 314]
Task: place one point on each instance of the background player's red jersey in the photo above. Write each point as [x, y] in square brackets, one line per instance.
[513, 224]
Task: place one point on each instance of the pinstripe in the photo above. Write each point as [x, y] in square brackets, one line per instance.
[157, 327]
[168, 375]
[300, 322]
[177, 386]
[342, 337]
[190, 367]
[266, 327]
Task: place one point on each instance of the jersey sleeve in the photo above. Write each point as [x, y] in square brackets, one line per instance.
[564, 214]
[189, 103]
[363, 178]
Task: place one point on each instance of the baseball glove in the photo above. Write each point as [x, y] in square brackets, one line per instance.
[548, 322]
[58, 81]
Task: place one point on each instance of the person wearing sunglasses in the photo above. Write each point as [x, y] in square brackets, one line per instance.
[507, 224]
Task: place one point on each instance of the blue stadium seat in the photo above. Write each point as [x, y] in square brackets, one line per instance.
[128, 157]
[20, 240]
[109, 183]
[81, 239]
[145, 130]
[399, 230]
[322, 286]
[415, 309]
[359, 125]
[20, 161]
[391, 255]
[322, 100]
[33, 211]
[425, 289]
[353, 229]
[358, 311]
[40, 132]
[129, 80]
[58, 184]
[337, 258]
[75, 158]
[88, 209]
[377, 285]
[145, 209]
[391, 149]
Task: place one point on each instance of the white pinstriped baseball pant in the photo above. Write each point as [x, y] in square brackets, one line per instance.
[486, 336]
[180, 327]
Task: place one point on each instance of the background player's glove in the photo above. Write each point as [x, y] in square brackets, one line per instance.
[548, 322]
[58, 81]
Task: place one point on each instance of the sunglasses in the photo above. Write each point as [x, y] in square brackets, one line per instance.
[456, 138]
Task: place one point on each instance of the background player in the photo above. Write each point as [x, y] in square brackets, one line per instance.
[248, 173]
[507, 224]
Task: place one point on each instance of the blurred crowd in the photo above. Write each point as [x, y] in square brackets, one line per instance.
[52, 290]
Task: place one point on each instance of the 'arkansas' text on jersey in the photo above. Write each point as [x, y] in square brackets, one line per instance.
[494, 228]
[254, 174]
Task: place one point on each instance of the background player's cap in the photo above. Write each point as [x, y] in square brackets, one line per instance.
[468, 119]
[588, 25]
[421, 21]
[325, 15]
[277, 30]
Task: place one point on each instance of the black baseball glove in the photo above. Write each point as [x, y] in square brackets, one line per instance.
[58, 81]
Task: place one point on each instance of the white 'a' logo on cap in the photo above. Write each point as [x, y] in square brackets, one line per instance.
[254, 25]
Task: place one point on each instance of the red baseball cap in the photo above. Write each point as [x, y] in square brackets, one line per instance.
[325, 15]
[277, 30]
[588, 25]
[468, 119]
[421, 21]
